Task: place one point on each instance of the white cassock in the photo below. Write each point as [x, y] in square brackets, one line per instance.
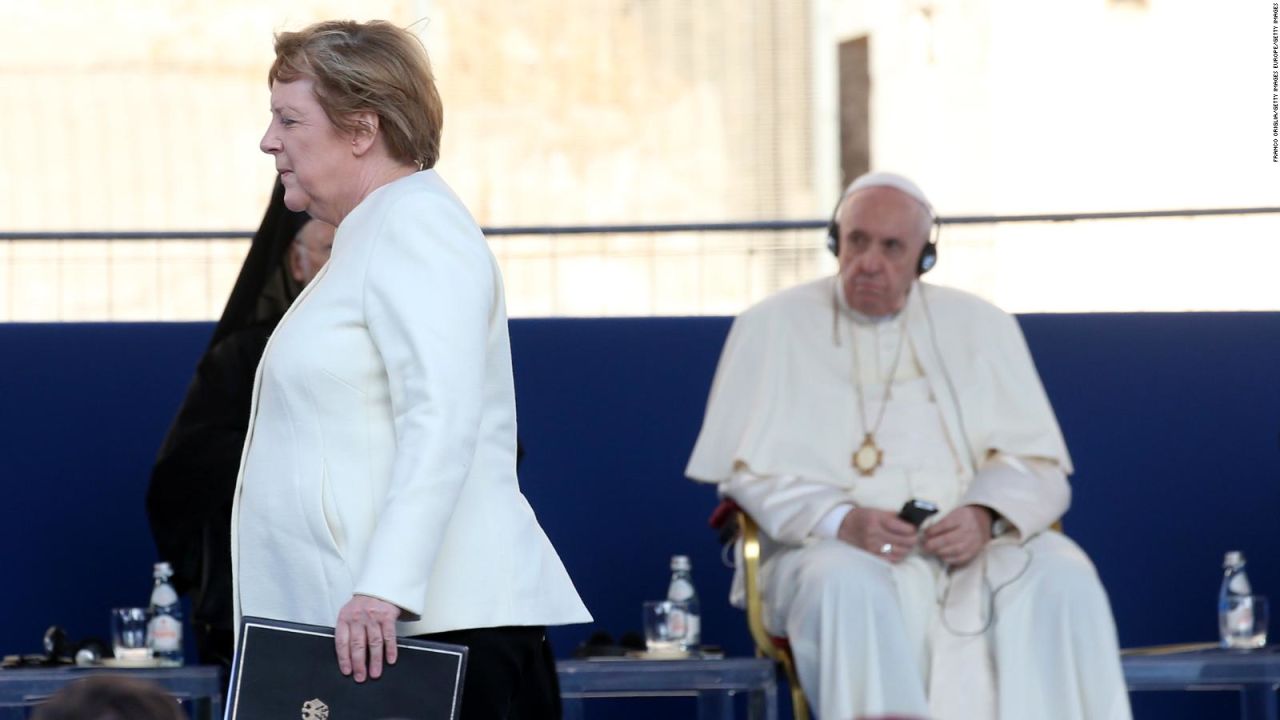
[967, 422]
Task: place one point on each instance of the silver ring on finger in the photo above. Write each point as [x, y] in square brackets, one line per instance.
[886, 548]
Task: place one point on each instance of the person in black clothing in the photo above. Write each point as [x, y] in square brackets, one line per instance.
[193, 481]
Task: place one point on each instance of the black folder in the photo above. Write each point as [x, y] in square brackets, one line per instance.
[289, 670]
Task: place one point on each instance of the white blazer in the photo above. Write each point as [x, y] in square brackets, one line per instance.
[380, 457]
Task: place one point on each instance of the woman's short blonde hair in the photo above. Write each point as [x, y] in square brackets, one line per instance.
[375, 67]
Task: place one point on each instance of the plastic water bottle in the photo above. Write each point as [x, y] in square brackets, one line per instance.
[682, 590]
[164, 629]
[1235, 605]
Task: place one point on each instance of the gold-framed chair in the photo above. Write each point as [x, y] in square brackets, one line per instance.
[774, 647]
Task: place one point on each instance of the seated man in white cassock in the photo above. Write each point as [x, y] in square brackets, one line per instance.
[837, 401]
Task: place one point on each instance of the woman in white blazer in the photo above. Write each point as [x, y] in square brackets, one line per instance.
[377, 488]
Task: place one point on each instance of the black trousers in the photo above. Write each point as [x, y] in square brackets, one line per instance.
[511, 673]
[214, 645]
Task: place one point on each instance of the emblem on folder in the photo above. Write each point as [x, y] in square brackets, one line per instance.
[315, 710]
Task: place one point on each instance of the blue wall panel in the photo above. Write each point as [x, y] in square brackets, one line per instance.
[82, 411]
[1173, 421]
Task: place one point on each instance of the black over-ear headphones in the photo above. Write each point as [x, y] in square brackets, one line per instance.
[928, 255]
[60, 649]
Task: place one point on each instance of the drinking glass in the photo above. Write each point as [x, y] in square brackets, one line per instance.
[129, 634]
[666, 626]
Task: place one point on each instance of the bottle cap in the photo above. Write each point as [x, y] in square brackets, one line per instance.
[1234, 558]
[680, 562]
[163, 569]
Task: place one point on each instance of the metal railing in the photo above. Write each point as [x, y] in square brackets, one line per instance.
[675, 268]
[750, 225]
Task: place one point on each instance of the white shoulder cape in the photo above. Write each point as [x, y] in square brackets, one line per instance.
[782, 399]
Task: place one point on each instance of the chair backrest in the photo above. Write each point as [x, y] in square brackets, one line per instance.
[774, 648]
[749, 536]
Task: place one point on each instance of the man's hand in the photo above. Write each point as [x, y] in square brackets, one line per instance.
[872, 530]
[959, 536]
[366, 628]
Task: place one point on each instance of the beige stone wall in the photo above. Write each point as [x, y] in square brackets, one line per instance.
[146, 114]
[139, 114]
[596, 111]
[1002, 107]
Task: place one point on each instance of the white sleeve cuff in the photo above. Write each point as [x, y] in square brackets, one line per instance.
[1015, 463]
[829, 526]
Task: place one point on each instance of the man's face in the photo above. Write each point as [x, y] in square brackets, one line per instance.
[882, 232]
[310, 250]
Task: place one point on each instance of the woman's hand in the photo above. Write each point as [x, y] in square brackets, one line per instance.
[366, 628]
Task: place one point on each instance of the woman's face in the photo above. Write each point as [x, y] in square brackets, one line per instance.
[312, 156]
